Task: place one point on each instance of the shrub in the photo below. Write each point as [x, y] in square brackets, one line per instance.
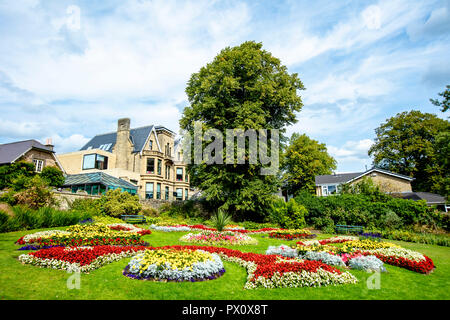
[116, 203]
[53, 176]
[390, 220]
[86, 205]
[290, 215]
[360, 209]
[25, 218]
[428, 238]
[220, 219]
[10, 172]
[8, 197]
[186, 209]
[4, 217]
[36, 195]
[149, 212]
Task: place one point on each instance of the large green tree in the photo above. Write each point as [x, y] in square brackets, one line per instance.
[413, 143]
[244, 87]
[302, 160]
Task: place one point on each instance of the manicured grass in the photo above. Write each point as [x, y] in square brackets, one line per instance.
[19, 281]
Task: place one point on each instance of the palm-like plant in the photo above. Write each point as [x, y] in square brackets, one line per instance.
[220, 219]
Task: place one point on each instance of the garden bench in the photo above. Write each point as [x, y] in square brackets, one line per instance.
[134, 218]
[348, 229]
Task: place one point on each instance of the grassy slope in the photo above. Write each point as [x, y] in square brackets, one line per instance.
[19, 281]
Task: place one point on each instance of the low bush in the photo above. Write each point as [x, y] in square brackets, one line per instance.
[116, 203]
[290, 215]
[36, 194]
[53, 176]
[24, 218]
[86, 205]
[186, 209]
[149, 212]
[427, 238]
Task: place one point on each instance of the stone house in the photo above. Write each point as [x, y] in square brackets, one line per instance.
[148, 157]
[30, 151]
[388, 181]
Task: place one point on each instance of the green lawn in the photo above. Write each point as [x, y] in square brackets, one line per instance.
[19, 281]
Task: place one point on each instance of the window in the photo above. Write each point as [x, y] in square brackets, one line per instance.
[38, 165]
[329, 189]
[95, 161]
[150, 145]
[167, 193]
[167, 172]
[166, 150]
[186, 177]
[179, 174]
[159, 166]
[185, 194]
[158, 191]
[149, 190]
[150, 165]
[179, 195]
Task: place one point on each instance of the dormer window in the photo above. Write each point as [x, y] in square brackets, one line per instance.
[95, 161]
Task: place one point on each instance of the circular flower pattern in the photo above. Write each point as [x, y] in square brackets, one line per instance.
[175, 265]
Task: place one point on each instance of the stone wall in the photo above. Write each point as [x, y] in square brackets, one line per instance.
[65, 198]
[153, 203]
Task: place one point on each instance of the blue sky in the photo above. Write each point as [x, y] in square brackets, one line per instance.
[70, 69]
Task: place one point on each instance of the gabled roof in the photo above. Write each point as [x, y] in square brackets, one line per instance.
[10, 152]
[97, 177]
[336, 178]
[349, 177]
[138, 137]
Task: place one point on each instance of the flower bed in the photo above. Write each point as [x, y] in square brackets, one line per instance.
[219, 238]
[82, 235]
[264, 271]
[177, 228]
[383, 251]
[81, 259]
[291, 234]
[175, 265]
[282, 250]
[185, 227]
[272, 271]
[128, 228]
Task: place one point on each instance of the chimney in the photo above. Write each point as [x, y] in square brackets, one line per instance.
[122, 145]
[49, 144]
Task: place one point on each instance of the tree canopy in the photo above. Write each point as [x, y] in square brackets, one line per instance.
[414, 144]
[244, 87]
[302, 160]
[445, 103]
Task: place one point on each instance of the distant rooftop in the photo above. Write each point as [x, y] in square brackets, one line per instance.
[97, 177]
[107, 141]
[347, 177]
[10, 152]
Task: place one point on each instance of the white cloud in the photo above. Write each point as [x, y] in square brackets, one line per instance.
[352, 152]
[70, 143]
[372, 17]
